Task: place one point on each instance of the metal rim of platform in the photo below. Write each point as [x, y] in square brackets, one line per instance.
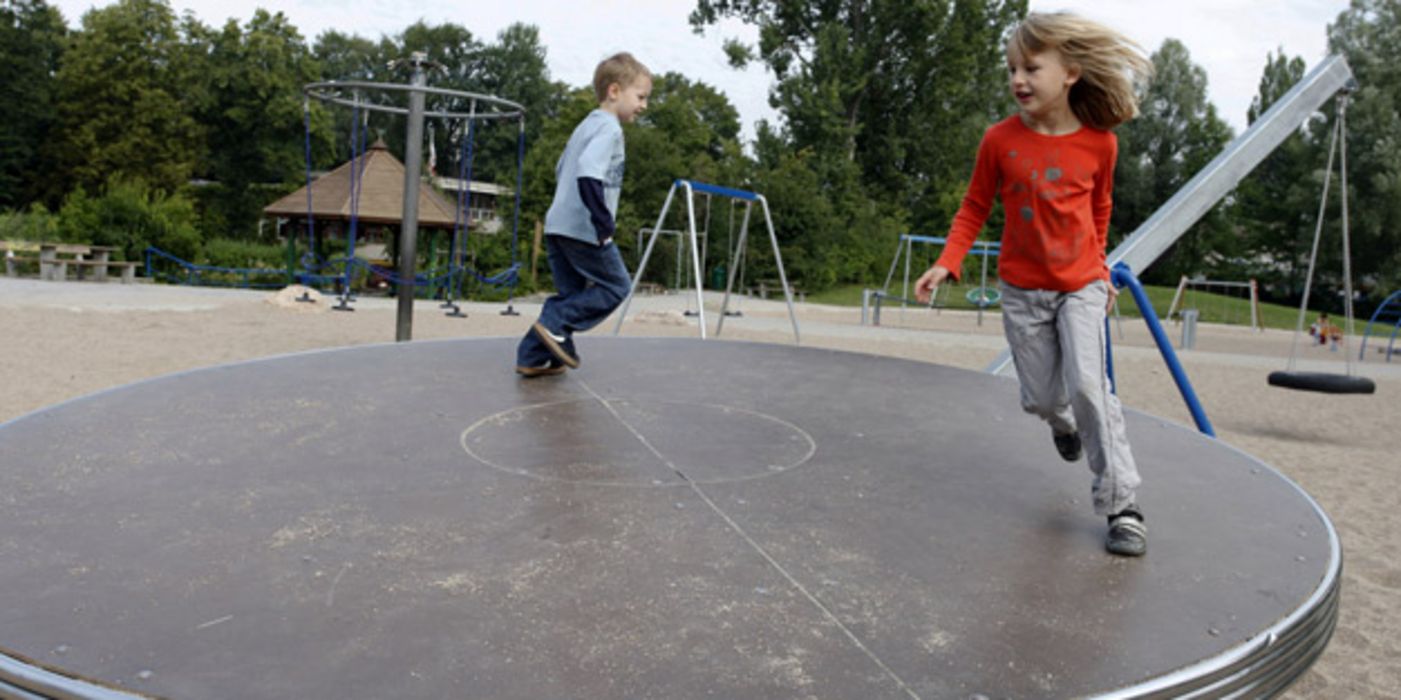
[1268, 663]
[1260, 667]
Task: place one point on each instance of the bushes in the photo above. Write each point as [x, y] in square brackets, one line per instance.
[35, 225]
[129, 216]
[225, 252]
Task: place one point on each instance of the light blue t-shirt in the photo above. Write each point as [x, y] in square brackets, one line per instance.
[594, 150]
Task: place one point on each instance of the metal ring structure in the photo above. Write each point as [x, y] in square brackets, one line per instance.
[498, 108]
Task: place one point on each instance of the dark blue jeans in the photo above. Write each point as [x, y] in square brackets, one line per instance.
[590, 282]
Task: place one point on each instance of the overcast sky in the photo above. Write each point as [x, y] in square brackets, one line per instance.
[1228, 38]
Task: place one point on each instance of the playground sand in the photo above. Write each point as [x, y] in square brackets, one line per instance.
[60, 341]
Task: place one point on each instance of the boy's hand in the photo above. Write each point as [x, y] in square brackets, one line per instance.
[1113, 294]
[929, 282]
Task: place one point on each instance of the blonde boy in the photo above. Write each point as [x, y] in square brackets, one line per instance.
[590, 278]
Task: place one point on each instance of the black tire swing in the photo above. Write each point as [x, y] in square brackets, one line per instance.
[1328, 382]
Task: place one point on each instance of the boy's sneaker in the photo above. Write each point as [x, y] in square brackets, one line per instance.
[1128, 535]
[556, 344]
[1068, 445]
[548, 369]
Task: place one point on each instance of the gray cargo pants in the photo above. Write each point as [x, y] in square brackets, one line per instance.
[1058, 346]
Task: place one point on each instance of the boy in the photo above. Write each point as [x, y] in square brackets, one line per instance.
[590, 278]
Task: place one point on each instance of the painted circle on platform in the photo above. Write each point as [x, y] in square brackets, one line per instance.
[637, 442]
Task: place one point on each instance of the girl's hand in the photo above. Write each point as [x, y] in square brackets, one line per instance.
[1113, 294]
[929, 282]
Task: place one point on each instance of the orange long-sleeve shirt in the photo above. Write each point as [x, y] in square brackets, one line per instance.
[1057, 196]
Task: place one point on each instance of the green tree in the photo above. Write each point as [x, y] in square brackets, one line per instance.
[903, 90]
[32, 36]
[122, 88]
[1368, 35]
[1176, 135]
[344, 57]
[1277, 204]
[252, 114]
[128, 215]
[513, 68]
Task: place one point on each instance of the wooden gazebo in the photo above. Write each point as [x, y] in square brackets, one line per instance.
[381, 196]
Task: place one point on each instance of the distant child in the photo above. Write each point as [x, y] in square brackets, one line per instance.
[590, 278]
[1052, 165]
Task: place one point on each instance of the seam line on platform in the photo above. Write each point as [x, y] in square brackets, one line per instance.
[757, 547]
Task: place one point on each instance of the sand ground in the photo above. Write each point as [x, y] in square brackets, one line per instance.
[62, 340]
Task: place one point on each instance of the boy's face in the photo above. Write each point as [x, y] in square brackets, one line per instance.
[628, 102]
[1040, 82]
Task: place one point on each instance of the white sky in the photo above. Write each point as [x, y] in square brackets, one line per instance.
[1228, 38]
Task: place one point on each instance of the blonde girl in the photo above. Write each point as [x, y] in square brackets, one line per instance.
[1052, 165]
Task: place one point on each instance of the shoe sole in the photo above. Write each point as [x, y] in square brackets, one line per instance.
[1126, 552]
[532, 372]
[554, 347]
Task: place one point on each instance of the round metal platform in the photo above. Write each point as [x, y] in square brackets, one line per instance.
[676, 519]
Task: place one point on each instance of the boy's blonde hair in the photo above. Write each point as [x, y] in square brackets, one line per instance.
[1113, 68]
[620, 68]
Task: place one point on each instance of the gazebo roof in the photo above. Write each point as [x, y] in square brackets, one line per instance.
[381, 195]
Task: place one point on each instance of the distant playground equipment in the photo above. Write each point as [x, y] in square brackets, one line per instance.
[981, 296]
[1184, 298]
[1388, 315]
[1328, 382]
[681, 279]
[463, 110]
[692, 240]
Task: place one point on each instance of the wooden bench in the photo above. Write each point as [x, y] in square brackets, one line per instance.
[55, 258]
[763, 288]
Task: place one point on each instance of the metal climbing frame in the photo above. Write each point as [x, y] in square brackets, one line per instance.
[750, 199]
[982, 297]
[1388, 313]
[481, 107]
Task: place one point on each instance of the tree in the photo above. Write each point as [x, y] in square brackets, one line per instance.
[1176, 135]
[251, 110]
[1277, 204]
[121, 102]
[32, 35]
[514, 68]
[1368, 34]
[903, 90]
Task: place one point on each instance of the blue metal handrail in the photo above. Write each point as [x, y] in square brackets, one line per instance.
[1377, 318]
[1122, 276]
[717, 189]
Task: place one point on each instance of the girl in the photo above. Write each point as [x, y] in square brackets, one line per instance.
[1052, 164]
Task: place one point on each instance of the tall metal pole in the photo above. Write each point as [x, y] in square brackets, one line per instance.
[408, 229]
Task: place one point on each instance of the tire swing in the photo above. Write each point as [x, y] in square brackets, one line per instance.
[1328, 382]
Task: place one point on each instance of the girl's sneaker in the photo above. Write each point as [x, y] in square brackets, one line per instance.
[1068, 445]
[1128, 535]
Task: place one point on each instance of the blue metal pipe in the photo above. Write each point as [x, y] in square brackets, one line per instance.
[1122, 276]
[722, 191]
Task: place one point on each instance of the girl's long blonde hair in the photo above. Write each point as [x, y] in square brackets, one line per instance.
[1113, 68]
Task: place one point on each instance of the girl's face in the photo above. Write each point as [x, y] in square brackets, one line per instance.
[1040, 82]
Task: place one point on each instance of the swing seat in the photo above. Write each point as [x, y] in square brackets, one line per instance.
[984, 296]
[1323, 382]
